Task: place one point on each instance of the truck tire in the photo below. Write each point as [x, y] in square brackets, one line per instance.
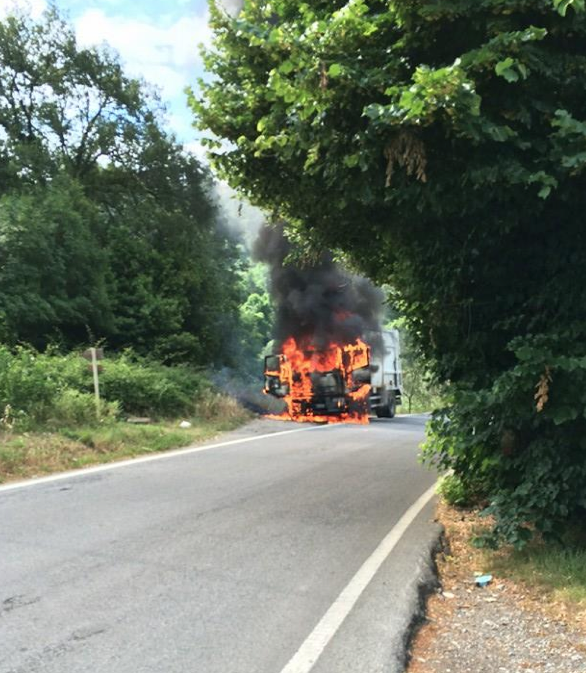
[389, 409]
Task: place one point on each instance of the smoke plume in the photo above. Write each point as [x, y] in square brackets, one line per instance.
[319, 304]
[232, 6]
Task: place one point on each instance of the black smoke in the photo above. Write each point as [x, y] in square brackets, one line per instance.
[321, 303]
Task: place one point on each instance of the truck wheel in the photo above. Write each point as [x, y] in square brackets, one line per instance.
[389, 410]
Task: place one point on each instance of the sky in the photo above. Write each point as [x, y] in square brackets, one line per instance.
[156, 39]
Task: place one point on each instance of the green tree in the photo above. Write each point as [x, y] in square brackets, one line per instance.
[256, 319]
[62, 106]
[53, 275]
[109, 230]
[176, 287]
[441, 146]
[418, 392]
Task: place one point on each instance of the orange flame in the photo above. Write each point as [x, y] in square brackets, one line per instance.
[298, 365]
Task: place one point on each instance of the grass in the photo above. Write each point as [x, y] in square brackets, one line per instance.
[559, 570]
[544, 577]
[40, 452]
[556, 570]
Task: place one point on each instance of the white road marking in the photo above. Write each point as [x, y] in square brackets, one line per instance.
[312, 648]
[148, 459]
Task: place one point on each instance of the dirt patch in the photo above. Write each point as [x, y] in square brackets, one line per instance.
[506, 627]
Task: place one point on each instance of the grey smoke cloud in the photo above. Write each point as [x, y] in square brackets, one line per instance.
[322, 303]
[232, 6]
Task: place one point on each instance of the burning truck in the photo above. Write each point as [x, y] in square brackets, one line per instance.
[333, 363]
[338, 383]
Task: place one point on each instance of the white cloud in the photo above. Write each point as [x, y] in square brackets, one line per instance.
[163, 51]
[196, 148]
[166, 56]
[36, 7]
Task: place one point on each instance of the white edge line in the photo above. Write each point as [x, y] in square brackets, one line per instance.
[147, 459]
[312, 648]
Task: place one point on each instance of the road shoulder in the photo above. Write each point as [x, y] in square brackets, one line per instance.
[247, 432]
[506, 627]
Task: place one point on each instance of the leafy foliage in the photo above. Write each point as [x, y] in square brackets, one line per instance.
[256, 318]
[524, 437]
[53, 274]
[459, 493]
[143, 387]
[441, 147]
[108, 230]
[48, 387]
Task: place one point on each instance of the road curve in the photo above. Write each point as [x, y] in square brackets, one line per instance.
[217, 561]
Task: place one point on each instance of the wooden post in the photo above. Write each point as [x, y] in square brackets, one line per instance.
[93, 355]
[96, 380]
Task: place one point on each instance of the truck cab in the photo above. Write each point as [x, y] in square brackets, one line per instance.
[332, 382]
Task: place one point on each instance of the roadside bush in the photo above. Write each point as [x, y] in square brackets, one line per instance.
[72, 407]
[144, 387]
[49, 387]
[454, 491]
[27, 388]
[524, 438]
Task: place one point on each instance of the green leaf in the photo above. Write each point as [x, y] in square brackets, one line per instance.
[335, 70]
[562, 6]
[286, 67]
[505, 69]
[501, 66]
[352, 160]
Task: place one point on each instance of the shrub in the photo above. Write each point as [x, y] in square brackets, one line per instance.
[40, 387]
[453, 491]
[72, 407]
[458, 492]
[27, 387]
[524, 438]
[145, 387]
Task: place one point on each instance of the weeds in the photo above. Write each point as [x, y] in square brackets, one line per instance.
[38, 388]
[459, 493]
[48, 419]
[35, 453]
[558, 568]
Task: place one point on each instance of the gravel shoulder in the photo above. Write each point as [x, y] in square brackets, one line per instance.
[506, 627]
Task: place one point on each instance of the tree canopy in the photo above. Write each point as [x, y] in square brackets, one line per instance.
[108, 230]
[441, 146]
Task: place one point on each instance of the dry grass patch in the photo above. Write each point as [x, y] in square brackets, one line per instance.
[520, 621]
[31, 454]
[549, 579]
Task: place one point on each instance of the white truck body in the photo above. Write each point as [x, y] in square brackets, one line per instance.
[386, 376]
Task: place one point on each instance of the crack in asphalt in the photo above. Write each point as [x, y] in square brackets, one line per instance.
[19, 601]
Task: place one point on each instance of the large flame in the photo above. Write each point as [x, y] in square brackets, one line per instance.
[299, 365]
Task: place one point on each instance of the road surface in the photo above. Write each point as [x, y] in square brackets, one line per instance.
[219, 561]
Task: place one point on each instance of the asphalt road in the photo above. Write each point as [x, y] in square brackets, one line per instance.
[216, 561]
